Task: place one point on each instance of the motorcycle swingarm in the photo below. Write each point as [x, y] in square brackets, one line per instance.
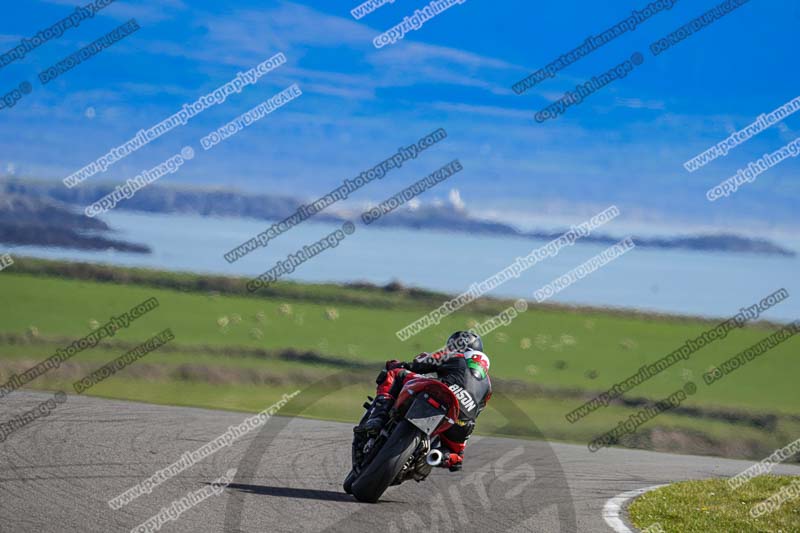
[424, 415]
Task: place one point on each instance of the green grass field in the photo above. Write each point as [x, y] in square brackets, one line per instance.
[709, 506]
[547, 359]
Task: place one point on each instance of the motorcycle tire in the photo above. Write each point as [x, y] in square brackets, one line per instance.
[348, 482]
[384, 467]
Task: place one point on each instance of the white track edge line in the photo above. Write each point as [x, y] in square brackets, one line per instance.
[613, 508]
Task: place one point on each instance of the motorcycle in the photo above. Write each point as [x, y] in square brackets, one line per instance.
[408, 446]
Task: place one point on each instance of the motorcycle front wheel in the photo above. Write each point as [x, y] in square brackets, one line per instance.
[348, 482]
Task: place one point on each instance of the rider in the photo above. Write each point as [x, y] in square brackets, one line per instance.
[463, 367]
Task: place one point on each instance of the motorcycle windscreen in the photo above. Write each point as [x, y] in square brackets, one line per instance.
[425, 416]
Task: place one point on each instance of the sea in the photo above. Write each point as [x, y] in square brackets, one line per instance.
[706, 284]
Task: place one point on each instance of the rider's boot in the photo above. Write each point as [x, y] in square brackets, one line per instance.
[379, 415]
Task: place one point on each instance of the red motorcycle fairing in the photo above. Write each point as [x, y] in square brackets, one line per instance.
[438, 393]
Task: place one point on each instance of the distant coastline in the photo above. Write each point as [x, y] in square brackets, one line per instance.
[53, 231]
[39, 221]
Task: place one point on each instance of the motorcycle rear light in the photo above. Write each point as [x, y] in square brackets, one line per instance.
[434, 402]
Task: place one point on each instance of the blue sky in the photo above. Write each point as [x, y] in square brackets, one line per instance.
[624, 145]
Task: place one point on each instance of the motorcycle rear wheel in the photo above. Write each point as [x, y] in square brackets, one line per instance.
[384, 467]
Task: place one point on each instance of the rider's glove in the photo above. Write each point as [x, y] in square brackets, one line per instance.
[394, 363]
[453, 461]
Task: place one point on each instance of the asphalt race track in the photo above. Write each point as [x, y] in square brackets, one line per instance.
[58, 473]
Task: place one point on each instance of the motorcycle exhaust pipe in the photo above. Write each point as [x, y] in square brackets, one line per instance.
[434, 457]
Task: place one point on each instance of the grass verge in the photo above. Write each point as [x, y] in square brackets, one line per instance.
[710, 506]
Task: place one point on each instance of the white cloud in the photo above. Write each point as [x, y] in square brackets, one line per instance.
[294, 29]
[455, 199]
[638, 103]
[154, 12]
[489, 111]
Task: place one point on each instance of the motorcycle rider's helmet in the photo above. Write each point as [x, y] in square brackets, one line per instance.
[464, 341]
